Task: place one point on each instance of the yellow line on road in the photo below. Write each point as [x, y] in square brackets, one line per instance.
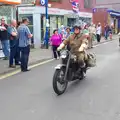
[18, 71]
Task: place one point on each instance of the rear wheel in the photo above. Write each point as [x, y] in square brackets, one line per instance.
[59, 85]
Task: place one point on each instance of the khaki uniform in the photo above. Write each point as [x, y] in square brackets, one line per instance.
[92, 31]
[75, 42]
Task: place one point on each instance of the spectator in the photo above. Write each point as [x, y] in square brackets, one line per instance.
[68, 33]
[56, 40]
[13, 43]
[4, 38]
[106, 28]
[92, 31]
[87, 34]
[62, 32]
[18, 49]
[98, 32]
[24, 36]
[68, 30]
[19, 23]
[119, 38]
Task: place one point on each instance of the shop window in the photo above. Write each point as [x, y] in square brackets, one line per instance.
[88, 3]
[43, 27]
[30, 17]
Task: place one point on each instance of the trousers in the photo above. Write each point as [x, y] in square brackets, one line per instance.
[25, 51]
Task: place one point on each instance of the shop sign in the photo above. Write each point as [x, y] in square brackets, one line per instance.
[52, 11]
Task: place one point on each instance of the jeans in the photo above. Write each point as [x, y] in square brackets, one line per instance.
[98, 38]
[55, 52]
[13, 52]
[25, 51]
[5, 47]
[17, 56]
[106, 35]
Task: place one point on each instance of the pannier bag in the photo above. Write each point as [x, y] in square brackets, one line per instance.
[91, 60]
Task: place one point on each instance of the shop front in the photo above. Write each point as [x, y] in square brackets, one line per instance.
[57, 17]
[7, 9]
[7, 12]
[114, 20]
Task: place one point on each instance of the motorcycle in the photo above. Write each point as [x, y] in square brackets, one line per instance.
[66, 72]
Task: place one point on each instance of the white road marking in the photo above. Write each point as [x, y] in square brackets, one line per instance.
[18, 71]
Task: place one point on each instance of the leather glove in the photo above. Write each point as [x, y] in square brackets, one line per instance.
[59, 48]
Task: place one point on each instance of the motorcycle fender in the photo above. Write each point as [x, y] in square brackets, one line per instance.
[58, 67]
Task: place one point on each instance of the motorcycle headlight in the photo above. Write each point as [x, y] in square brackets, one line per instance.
[63, 56]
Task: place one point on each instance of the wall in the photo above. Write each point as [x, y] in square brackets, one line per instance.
[107, 2]
[101, 15]
[65, 4]
[82, 8]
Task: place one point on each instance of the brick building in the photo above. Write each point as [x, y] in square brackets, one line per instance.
[107, 11]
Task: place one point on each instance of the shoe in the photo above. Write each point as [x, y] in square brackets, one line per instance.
[17, 64]
[12, 66]
[25, 70]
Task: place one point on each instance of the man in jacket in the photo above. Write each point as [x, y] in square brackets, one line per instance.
[4, 38]
[13, 37]
[24, 36]
[78, 44]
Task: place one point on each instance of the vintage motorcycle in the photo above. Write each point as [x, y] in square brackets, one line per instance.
[66, 72]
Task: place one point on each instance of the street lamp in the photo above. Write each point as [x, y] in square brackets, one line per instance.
[46, 39]
[47, 25]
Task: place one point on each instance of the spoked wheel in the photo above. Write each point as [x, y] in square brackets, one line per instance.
[59, 85]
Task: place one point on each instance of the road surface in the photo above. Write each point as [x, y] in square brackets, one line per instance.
[29, 96]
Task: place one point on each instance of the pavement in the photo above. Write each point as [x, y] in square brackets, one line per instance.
[30, 96]
[36, 56]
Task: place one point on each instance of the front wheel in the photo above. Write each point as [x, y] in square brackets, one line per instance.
[59, 85]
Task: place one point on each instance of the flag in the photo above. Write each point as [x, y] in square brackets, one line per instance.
[75, 6]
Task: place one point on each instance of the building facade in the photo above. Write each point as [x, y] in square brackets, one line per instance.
[109, 9]
[7, 9]
[60, 13]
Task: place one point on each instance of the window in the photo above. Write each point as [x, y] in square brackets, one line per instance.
[88, 3]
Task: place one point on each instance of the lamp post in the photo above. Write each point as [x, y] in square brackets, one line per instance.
[47, 25]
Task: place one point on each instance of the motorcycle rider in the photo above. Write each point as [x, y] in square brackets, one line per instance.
[78, 43]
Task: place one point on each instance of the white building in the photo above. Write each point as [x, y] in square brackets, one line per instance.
[57, 17]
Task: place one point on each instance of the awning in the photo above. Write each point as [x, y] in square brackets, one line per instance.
[10, 2]
[114, 13]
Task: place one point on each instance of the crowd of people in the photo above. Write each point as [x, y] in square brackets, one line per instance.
[92, 31]
[15, 41]
[16, 38]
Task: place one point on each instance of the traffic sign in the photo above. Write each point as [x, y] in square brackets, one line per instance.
[42, 2]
